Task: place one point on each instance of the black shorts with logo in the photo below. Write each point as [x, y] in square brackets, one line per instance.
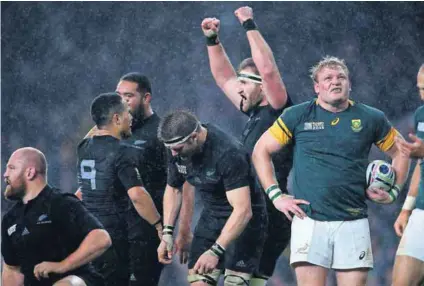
[243, 254]
[113, 265]
[145, 268]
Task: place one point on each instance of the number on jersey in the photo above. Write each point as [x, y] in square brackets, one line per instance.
[88, 172]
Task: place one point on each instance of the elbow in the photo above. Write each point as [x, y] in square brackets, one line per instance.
[267, 71]
[248, 214]
[256, 154]
[137, 194]
[104, 240]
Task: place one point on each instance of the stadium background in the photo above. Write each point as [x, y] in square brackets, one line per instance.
[56, 57]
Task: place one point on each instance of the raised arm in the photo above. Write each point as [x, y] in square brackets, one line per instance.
[275, 90]
[221, 68]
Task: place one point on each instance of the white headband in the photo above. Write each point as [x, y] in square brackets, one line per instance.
[249, 77]
[178, 139]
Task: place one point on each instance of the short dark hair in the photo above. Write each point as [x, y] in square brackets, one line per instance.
[104, 106]
[179, 123]
[248, 63]
[142, 81]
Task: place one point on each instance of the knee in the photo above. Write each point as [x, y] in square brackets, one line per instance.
[258, 280]
[233, 278]
[202, 279]
[71, 280]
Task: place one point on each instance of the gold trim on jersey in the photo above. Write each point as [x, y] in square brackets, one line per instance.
[387, 142]
[280, 132]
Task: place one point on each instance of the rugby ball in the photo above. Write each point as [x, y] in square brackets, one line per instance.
[381, 175]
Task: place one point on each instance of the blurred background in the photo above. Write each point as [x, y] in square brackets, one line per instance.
[56, 57]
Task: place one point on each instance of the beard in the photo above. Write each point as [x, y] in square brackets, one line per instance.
[15, 194]
[125, 134]
[138, 114]
[249, 105]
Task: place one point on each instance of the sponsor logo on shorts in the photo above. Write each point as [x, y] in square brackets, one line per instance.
[304, 249]
[420, 126]
[241, 263]
[362, 255]
[132, 277]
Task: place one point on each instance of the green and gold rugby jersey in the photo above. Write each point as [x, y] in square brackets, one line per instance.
[419, 130]
[331, 155]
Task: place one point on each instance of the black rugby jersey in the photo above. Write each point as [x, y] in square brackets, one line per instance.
[48, 228]
[260, 119]
[223, 165]
[151, 164]
[106, 170]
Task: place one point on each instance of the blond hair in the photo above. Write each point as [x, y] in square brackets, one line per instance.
[330, 62]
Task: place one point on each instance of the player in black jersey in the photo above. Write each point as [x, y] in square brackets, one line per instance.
[135, 88]
[232, 228]
[107, 176]
[48, 238]
[258, 91]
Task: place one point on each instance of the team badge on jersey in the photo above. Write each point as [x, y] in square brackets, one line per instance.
[356, 125]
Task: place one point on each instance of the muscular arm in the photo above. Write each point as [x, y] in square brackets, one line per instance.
[171, 205]
[239, 199]
[144, 204]
[275, 90]
[12, 276]
[94, 244]
[186, 212]
[400, 163]
[415, 181]
[262, 160]
[223, 73]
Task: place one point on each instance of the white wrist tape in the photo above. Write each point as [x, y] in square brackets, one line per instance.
[273, 192]
[409, 203]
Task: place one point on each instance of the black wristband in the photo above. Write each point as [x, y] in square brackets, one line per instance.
[212, 41]
[249, 25]
[218, 250]
[158, 222]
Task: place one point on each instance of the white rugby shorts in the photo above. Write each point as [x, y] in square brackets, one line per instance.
[331, 244]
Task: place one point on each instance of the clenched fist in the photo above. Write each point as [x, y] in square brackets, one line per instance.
[210, 27]
[244, 13]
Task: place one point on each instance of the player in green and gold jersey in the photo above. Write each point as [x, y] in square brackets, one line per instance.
[332, 138]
